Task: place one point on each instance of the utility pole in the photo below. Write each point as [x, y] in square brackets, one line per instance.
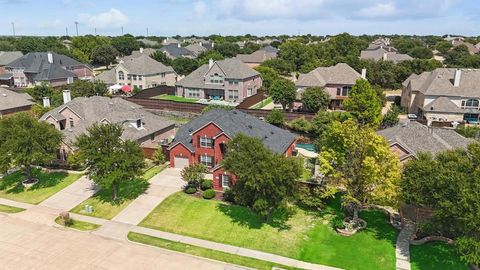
[95, 31]
[76, 27]
[66, 31]
[13, 28]
[122, 30]
[147, 31]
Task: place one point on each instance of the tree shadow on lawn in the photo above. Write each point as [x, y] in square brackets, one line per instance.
[13, 182]
[245, 217]
[128, 190]
[435, 254]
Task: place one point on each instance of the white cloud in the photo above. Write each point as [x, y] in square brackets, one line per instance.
[378, 10]
[110, 19]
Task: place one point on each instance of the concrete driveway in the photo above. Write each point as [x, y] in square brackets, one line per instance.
[72, 195]
[26, 245]
[162, 185]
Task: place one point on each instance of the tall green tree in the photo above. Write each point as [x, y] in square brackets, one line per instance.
[227, 49]
[162, 58]
[364, 104]
[265, 181]
[125, 44]
[283, 91]
[359, 160]
[269, 76]
[315, 99]
[109, 159]
[184, 65]
[24, 141]
[391, 119]
[83, 88]
[104, 55]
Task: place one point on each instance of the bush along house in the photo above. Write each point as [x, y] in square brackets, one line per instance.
[204, 140]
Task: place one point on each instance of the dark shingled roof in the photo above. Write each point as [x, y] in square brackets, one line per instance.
[416, 138]
[233, 122]
[175, 51]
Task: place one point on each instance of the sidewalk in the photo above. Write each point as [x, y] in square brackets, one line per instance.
[403, 247]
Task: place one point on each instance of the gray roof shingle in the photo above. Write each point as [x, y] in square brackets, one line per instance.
[417, 138]
[115, 110]
[8, 57]
[175, 50]
[341, 73]
[10, 100]
[233, 122]
[143, 64]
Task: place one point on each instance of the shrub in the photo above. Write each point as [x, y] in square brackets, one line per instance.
[209, 194]
[194, 174]
[468, 131]
[206, 184]
[310, 197]
[276, 117]
[228, 196]
[301, 125]
[159, 157]
[190, 190]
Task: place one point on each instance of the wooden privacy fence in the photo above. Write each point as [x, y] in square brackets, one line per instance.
[252, 100]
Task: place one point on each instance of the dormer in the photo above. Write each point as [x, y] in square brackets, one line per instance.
[137, 123]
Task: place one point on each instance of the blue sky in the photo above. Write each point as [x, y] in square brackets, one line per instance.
[233, 17]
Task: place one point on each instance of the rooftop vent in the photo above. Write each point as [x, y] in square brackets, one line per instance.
[265, 137]
[190, 129]
[271, 132]
[250, 126]
[234, 112]
[4, 95]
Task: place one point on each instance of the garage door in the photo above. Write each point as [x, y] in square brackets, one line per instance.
[181, 162]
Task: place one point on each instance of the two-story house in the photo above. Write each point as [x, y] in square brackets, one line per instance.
[139, 70]
[229, 79]
[53, 68]
[444, 94]
[335, 80]
[204, 140]
[256, 58]
[75, 116]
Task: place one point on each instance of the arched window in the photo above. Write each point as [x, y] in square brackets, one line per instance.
[121, 75]
[471, 103]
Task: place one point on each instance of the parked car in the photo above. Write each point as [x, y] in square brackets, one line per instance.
[412, 116]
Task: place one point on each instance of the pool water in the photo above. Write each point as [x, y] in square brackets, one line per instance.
[306, 146]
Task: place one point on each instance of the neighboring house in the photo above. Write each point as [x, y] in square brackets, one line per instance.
[335, 80]
[228, 79]
[204, 139]
[380, 52]
[13, 102]
[176, 50]
[53, 68]
[410, 138]
[146, 51]
[139, 70]
[148, 42]
[256, 58]
[450, 38]
[472, 49]
[445, 94]
[74, 117]
[8, 57]
[169, 40]
[200, 47]
[385, 42]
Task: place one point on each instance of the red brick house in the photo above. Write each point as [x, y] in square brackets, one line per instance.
[204, 140]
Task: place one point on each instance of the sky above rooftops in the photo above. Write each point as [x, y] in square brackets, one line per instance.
[237, 17]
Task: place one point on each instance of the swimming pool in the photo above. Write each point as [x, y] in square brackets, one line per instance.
[306, 146]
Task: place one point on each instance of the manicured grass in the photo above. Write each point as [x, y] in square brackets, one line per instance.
[262, 103]
[104, 207]
[296, 233]
[10, 209]
[79, 225]
[435, 255]
[49, 183]
[176, 98]
[204, 252]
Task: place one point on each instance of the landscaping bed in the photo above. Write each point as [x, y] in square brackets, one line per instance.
[102, 204]
[203, 252]
[11, 186]
[435, 255]
[296, 233]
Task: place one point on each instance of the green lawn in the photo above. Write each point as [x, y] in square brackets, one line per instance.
[176, 98]
[435, 255]
[49, 183]
[10, 209]
[104, 207]
[79, 225]
[297, 234]
[204, 252]
[262, 103]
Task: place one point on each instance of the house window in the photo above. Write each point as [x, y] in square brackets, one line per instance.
[140, 77]
[121, 75]
[232, 94]
[206, 142]
[163, 75]
[139, 123]
[164, 83]
[225, 181]
[216, 78]
[193, 93]
[134, 77]
[72, 123]
[206, 160]
[343, 91]
[129, 77]
[470, 104]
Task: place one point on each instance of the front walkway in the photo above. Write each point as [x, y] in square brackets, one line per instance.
[72, 195]
[403, 246]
